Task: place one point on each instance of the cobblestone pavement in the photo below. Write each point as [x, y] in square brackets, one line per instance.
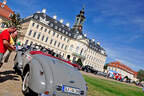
[10, 83]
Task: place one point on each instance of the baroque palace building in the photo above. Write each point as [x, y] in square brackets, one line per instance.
[51, 33]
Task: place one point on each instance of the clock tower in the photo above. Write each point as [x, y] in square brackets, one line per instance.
[79, 21]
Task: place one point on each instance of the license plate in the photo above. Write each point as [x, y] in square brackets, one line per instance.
[72, 90]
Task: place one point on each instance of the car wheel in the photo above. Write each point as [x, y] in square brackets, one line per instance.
[25, 88]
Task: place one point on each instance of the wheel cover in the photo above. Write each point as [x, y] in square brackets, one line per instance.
[25, 82]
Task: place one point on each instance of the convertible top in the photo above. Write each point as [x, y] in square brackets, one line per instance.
[42, 53]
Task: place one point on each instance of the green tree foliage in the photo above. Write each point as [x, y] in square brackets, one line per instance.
[105, 66]
[14, 21]
[79, 62]
[140, 75]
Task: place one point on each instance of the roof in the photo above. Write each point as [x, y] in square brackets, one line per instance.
[5, 11]
[117, 64]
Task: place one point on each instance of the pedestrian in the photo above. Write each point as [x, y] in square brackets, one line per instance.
[5, 38]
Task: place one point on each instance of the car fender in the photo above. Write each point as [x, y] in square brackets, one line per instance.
[37, 81]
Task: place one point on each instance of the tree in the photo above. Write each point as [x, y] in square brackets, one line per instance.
[140, 75]
[14, 21]
[105, 67]
[79, 62]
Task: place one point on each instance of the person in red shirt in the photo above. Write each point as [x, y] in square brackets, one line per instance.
[5, 41]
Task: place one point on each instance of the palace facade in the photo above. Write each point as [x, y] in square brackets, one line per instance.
[51, 33]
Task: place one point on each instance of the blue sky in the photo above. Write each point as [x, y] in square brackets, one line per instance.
[117, 24]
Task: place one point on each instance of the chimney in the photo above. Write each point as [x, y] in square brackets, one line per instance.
[61, 20]
[44, 11]
[98, 43]
[93, 40]
[67, 24]
[54, 17]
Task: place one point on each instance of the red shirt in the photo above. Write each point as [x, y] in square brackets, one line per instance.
[4, 35]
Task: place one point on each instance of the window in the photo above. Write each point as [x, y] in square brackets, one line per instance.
[69, 34]
[45, 30]
[41, 28]
[65, 47]
[31, 43]
[38, 36]
[51, 25]
[62, 46]
[61, 37]
[59, 29]
[30, 32]
[69, 29]
[55, 43]
[55, 21]
[81, 51]
[49, 31]
[62, 25]
[36, 17]
[57, 35]
[56, 27]
[51, 41]
[34, 34]
[63, 31]
[46, 39]
[71, 47]
[42, 38]
[67, 40]
[33, 24]
[77, 49]
[37, 26]
[53, 33]
[10, 14]
[64, 39]
[26, 42]
[58, 44]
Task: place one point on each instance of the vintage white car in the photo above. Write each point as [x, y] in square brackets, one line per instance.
[46, 75]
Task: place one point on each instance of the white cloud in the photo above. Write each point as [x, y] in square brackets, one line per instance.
[128, 56]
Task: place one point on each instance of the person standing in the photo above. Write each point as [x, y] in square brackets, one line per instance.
[5, 37]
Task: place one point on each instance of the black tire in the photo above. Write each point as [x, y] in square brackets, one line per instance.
[25, 88]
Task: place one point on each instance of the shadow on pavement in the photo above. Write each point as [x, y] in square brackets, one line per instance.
[8, 75]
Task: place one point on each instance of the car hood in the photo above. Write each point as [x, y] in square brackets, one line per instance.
[58, 73]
